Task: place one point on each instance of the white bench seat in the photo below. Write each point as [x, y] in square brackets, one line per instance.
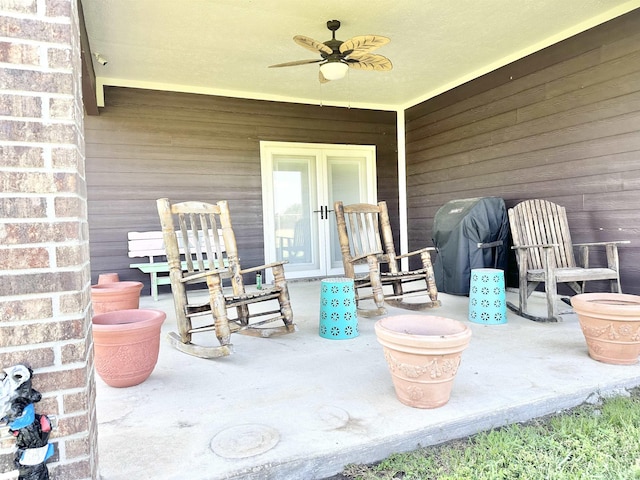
[151, 246]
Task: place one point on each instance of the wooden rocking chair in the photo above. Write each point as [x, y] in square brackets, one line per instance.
[544, 253]
[201, 247]
[359, 228]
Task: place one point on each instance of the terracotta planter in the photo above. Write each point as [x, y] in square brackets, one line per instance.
[126, 344]
[111, 296]
[610, 323]
[423, 353]
[108, 278]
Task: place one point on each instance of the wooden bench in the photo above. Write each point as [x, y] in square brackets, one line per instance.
[151, 246]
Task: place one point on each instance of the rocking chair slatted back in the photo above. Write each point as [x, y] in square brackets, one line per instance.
[363, 224]
[200, 236]
[539, 222]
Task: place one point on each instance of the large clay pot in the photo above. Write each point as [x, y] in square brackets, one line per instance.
[610, 323]
[126, 345]
[423, 353]
[111, 296]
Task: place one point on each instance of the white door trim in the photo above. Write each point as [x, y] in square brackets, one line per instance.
[321, 152]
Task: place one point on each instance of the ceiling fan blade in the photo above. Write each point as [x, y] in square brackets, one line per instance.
[362, 44]
[370, 62]
[321, 77]
[311, 44]
[297, 62]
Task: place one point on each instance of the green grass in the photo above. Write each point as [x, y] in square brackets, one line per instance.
[594, 442]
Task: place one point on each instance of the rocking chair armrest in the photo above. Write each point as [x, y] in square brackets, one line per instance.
[365, 255]
[522, 259]
[602, 244]
[416, 252]
[196, 276]
[263, 267]
[542, 245]
[612, 252]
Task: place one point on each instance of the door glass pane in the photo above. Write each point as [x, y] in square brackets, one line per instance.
[347, 183]
[294, 200]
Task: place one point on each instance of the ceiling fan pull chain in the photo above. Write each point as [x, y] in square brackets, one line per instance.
[349, 90]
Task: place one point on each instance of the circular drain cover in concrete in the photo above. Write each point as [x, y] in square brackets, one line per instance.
[331, 417]
[244, 441]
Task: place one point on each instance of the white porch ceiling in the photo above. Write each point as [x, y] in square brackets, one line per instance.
[223, 47]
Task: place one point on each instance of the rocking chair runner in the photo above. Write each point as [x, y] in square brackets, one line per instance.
[359, 228]
[544, 253]
[196, 254]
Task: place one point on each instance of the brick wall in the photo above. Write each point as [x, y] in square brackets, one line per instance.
[44, 245]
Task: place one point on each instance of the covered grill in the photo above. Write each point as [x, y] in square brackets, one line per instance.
[469, 233]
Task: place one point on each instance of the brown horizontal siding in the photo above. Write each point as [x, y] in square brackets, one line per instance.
[562, 124]
[148, 144]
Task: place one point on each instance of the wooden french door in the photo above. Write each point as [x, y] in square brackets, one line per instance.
[300, 183]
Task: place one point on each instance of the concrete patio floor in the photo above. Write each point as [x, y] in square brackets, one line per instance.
[301, 406]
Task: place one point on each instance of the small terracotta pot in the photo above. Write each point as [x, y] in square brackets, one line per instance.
[126, 345]
[111, 296]
[610, 323]
[108, 278]
[423, 354]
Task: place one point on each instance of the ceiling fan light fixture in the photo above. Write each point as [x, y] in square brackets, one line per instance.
[334, 70]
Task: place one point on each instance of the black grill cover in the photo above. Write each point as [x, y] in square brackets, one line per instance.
[458, 227]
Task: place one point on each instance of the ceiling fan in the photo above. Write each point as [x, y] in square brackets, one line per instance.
[338, 56]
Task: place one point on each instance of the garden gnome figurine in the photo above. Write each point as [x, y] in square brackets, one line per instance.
[30, 429]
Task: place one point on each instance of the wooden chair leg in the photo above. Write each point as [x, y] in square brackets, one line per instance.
[431, 278]
[284, 300]
[524, 289]
[615, 286]
[219, 309]
[523, 295]
[613, 262]
[376, 282]
[550, 285]
[242, 312]
[183, 322]
[584, 262]
[397, 289]
[551, 293]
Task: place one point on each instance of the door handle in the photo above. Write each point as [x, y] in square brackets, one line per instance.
[324, 212]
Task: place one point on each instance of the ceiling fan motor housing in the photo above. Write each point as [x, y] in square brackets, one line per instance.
[333, 44]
